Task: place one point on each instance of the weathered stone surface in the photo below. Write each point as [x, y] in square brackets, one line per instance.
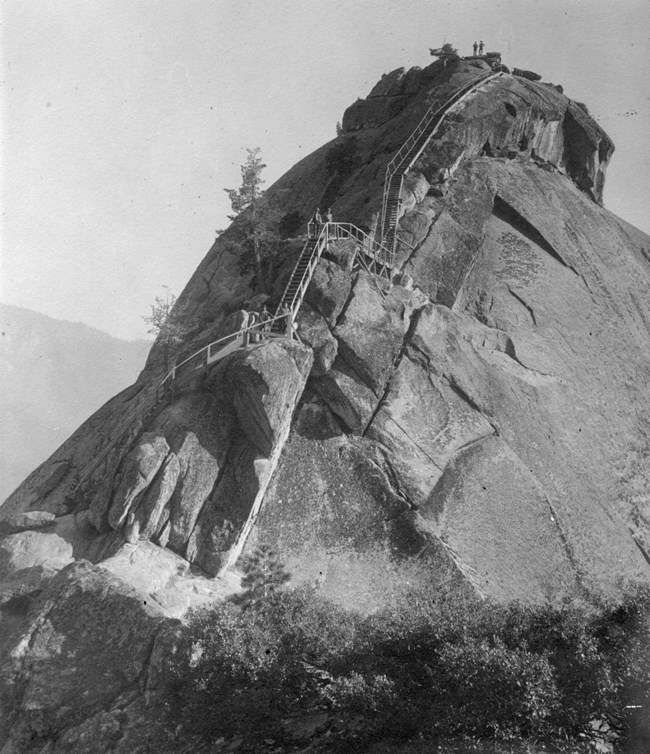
[423, 422]
[347, 396]
[138, 470]
[28, 559]
[485, 486]
[369, 334]
[76, 656]
[227, 508]
[315, 420]
[336, 520]
[414, 226]
[372, 112]
[150, 513]
[198, 472]
[438, 265]
[329, 290]
[414, 190]
[342, 252]
[25, 521]
[314, 332]
[162, 576]
[263, 383]
[513, 116]
[389, 84]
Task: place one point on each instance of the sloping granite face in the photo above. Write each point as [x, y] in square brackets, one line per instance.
[485, 415]
[516, 337]
[512, 424]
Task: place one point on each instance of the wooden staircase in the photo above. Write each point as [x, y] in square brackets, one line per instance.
[409, 153]
[299, 280]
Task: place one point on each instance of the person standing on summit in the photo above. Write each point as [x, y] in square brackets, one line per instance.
[480, 47]
[475, 48]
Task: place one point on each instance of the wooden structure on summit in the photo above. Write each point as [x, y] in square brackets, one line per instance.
[376, 257]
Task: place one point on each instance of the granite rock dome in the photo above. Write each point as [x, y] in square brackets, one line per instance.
[481, 423]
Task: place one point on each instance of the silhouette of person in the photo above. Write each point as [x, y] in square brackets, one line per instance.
[475, 48]
[315, 223]
[243, 327]
[330, 219]
[480, 47]
[286, 313]
[265, 318]
[253, 319]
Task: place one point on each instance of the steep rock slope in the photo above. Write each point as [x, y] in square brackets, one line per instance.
[480, 423]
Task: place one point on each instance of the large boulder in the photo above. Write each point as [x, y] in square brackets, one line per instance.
[74, 657]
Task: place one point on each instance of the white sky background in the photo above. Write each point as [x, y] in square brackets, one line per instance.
[123, 120]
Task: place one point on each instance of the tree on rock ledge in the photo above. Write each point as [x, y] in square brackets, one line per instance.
[258, 216]
[447, 53]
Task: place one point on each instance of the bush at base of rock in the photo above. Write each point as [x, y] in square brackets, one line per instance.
[431, 666]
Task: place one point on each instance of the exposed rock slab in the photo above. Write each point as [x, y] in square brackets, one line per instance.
[75, 656]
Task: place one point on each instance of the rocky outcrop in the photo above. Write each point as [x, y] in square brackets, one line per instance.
[72, 662]
[188, 476]
[189, 481]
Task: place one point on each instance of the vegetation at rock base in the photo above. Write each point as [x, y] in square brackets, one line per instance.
[429, 666]
[258, 217]
[264, 574]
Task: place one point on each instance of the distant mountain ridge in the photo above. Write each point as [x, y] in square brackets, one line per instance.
[53, 375]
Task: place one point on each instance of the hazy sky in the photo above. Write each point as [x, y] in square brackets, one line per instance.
[123, 120]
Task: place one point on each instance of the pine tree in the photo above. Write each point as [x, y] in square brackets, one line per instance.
[264, 574]
[258, 215]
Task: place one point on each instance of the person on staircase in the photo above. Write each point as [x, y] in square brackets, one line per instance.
[312, 225]
[254, 333]
[265, 319]
[243, 328]
[317, 223]
[481, 47]
[288, 324]
[475, 46]
[330, 219]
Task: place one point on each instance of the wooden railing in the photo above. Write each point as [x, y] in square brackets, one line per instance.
[409, 152]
